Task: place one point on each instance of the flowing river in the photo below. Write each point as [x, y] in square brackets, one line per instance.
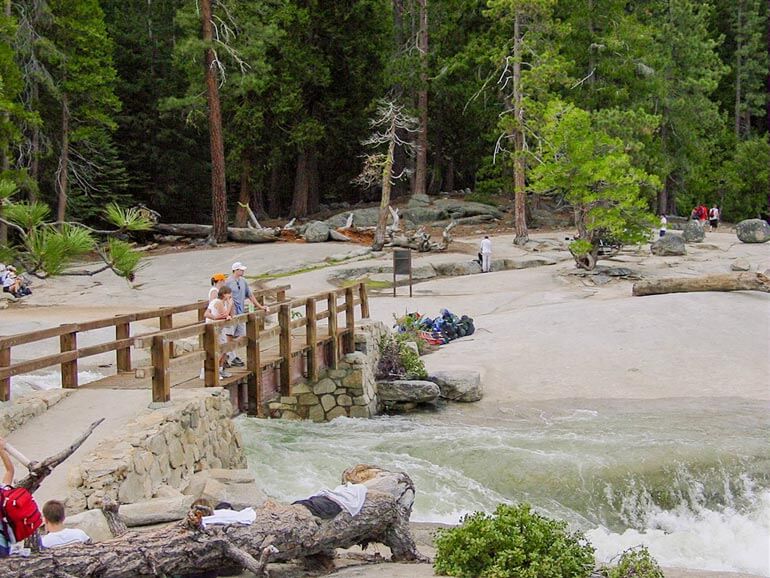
[690, 478]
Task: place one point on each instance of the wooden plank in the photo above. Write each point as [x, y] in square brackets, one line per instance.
[284, 347]
[166, 323]
[299, 321]
[350, 320]
[5, 383]
[32, 336]
[161, 377]
[39, 363]
[104, 347]
[211, 363]
[311, 338]
[331, 304]
[123, 354]
[69, 369]
[364, 299]
[254, 381]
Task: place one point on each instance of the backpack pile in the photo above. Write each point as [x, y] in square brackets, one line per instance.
[439, 330]
[19, 517]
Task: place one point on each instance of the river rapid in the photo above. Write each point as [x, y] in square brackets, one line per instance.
[688, 477]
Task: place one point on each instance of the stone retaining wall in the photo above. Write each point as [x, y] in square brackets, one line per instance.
[21, 409]
[350, 390]
[163, 447]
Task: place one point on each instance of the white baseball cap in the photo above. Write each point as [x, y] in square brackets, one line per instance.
[238, 265]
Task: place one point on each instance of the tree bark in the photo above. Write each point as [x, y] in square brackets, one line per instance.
[218, 184]
[387, 174]
[280, 533]
[63, 176]
[313, 191]
[421, 166]
[301, 185]
[738, 66]
[244, 196]
[725, 282]
[519, 175]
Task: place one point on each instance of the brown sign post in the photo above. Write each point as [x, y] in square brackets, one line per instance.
[402, 265]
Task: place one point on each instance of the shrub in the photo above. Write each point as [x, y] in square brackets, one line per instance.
[634, 563]
[399, 361]
[514, 541]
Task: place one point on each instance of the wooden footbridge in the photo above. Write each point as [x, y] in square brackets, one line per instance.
[307, 338]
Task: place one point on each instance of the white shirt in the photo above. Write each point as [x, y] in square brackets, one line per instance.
[213, 294]
[714, 213]
[64, 537]
[663, 222]
[486, 247]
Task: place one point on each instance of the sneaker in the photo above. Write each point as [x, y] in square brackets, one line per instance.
[224, 373]
[237, 362]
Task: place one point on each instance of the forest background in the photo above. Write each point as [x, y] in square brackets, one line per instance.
[107, 100]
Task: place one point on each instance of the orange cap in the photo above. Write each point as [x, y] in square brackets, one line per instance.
[219, 276]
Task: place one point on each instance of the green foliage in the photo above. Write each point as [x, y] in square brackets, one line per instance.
[398, 361]
[746, 180]
[593, 172]
[52, 250]
[634, 563]
[122, 258]
[514, 541]
[27, 215]
[126, 219]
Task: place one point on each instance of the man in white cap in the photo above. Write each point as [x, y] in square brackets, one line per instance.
[241, 292]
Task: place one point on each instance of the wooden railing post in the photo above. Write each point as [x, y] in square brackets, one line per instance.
[167, 322]
[311, 335]
[350, 320]
[284, 347]
[280, 295]
[211, 362]
[364, 300]
[69, 369]
[161, 375]
[331, 305]
[254, 380]
[5, 383]
[201, 319]
[123, 331]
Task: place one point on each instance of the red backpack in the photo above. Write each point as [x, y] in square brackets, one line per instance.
[18, 510]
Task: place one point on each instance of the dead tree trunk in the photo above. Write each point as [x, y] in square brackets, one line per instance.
[63, 177]
[245, 235]
[279, 533]
[244, 197]
[519, 183]
[726, 282]
[421, 166]
[216, 140]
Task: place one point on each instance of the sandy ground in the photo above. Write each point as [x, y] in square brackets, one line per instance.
[542, 333]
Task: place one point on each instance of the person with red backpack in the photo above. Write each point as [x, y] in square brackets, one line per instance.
[19, 514]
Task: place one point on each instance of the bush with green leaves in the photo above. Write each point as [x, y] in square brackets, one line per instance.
[399, 361]
[634, 563]
[44, 248]
[514, 541]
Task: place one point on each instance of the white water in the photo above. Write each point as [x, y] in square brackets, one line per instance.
[21, 384]
[686, 478]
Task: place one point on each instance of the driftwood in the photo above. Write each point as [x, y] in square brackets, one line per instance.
[241, 234]
[419, 240]
[724, 282]
[280, 533]
[38, 471]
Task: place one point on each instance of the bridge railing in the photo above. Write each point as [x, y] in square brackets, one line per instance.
[122, 345]
[298, 331]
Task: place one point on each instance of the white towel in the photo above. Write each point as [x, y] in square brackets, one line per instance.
[245, 517]
[350, 497]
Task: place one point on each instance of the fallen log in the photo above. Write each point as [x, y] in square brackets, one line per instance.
[279, 533]
[240, 234]
[723, 282]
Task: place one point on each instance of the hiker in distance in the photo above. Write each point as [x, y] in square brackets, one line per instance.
[486, 254]
[241, 292]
